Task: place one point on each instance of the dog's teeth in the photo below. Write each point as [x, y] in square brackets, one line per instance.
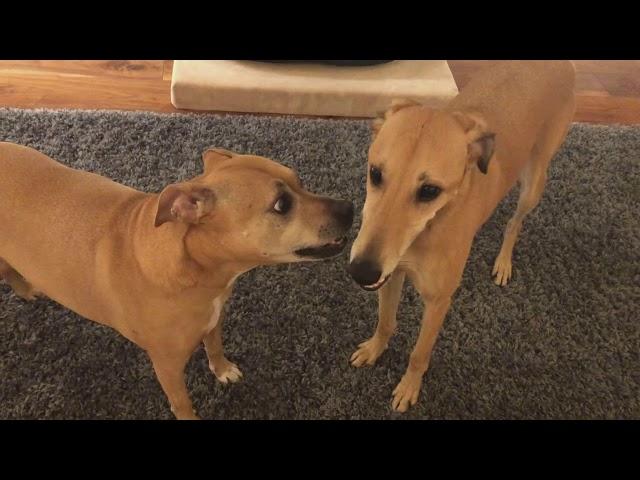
[378, 283]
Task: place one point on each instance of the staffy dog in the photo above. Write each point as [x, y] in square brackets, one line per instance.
[158, 268]
[434, 178]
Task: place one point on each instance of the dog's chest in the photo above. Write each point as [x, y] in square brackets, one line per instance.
[217, 306]
[215, 314]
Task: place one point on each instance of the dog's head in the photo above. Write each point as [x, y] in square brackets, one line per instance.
[255, 211]
[417, 162]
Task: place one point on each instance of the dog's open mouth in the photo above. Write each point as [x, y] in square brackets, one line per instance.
[324, 251]
[377, 285]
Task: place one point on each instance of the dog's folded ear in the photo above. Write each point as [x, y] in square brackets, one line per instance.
[396, 106]
[212, 156]
[183, 202]
[481, 151]
[481, 140]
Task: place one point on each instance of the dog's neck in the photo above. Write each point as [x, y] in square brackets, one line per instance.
[460, 196]
[217, 266]
[475, 184]
[168, 259]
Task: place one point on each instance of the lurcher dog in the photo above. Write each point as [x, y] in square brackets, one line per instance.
[434, 178]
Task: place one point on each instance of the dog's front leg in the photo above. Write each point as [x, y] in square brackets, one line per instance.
[408, 390]
[388, 300]
[224, 370]
[170, 372]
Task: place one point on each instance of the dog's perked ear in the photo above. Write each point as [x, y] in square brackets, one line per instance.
[481, 140]
[396, 106]
[183, 202]
[212, 156]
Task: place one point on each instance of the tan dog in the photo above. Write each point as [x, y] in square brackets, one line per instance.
[435, 177]
[158, 268]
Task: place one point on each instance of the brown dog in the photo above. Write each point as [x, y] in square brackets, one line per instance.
[435, 177]
[158, 268]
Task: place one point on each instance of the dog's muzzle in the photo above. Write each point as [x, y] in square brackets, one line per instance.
[367, 274]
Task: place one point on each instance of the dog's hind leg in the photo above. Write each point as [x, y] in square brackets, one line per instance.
[531, 187]
[20, 286]
[532, 183]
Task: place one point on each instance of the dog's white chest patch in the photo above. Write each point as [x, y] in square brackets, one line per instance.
[215, 315]
[218, 305]
[230, 284]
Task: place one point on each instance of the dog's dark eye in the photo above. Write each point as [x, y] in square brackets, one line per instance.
[283, 204]
[376, 176]
[426, 193]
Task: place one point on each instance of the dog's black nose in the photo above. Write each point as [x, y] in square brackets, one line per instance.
[364, 272]
[343, 211]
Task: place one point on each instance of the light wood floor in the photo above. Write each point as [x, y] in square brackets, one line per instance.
[608, 91]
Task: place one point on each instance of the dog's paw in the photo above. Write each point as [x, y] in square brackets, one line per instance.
[368, 352]
[23, 289]
[502, 271]
[225, 371]
[27, 294]
[186, 415]
[407, 392]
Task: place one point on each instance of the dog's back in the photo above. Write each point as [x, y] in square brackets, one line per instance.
[521, 102]
[509, 92]
[517, 98]
[51, 216]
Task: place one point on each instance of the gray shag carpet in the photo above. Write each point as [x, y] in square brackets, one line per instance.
[562, 341]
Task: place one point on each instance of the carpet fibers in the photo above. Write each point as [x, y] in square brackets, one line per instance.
[561, 341]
